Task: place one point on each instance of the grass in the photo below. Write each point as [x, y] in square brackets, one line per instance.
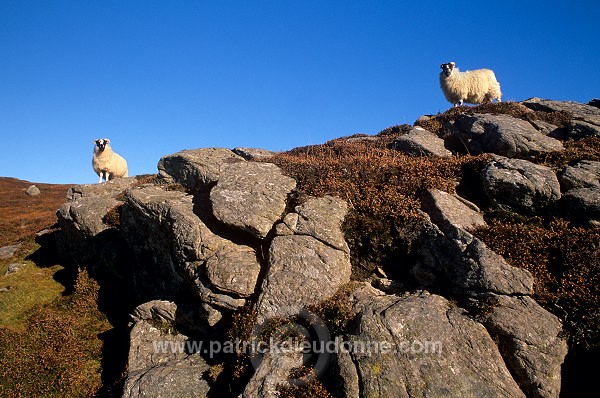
[58, 354]
[30, 286]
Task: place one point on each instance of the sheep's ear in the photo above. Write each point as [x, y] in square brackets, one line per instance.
[453, 64]
[106, 140]
[442, 66]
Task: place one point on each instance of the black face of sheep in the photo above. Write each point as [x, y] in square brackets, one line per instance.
[101, 143]
[448, 68]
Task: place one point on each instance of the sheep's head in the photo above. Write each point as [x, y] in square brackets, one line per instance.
[448, 68]
[101, 143]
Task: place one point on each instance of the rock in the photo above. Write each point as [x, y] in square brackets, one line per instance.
[467, 263]
[5, 289]
[451, 210]
[583, 174]
[530, 342]
[174, 247]
[160, 361]
[175, 379]
[254, 153]
[251, 196]
[420, 142]
[197, 169]
[322, 219]
[503, 135]
[7, 252]
[32, 190]
[272, 372]
[582, 205]
[595, 102]
[420, 345]
[302, 271]
[86, 239]
[586, 118]
[14, 267]
[521, 186]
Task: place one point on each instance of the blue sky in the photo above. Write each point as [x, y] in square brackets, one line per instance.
[157, 77]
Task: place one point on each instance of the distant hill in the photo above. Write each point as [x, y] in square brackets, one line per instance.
[22, 215]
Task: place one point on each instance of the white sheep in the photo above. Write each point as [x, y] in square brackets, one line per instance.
[473, 87]
[107, 163]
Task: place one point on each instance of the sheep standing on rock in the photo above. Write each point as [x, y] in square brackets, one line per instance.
[473, 87]
[106, 163]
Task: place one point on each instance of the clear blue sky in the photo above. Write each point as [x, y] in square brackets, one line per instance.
[157, 77]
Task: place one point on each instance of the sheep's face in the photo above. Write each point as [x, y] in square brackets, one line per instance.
[448, 68]
[101, 143]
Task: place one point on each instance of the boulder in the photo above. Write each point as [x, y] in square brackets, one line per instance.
[87, 236]
[13, 268]
[7, 252]
[322, 219]
[420, 142]
[420, 345]
[251, 196]
[302, 271]
[196, 169]
[470, 266]
[582, 205]
[160, 361]
[32, 190]
[586, 118]
[174, 249]
[503, 135]
[529, 339]
[583, 174]
[521, 186]
[447, 210]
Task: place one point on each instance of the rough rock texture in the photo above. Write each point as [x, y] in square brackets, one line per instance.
[301, 271]
[420, 142]
[432, 349]
[468, 264]
[7, 252]
[503, 135]
[14, 267]
[521, 186]
[582, 205]
[196, 169]
[251, 196]
[451, 210]
[173, 245]
[586, 118]
[309, 262]
[87, 239]
[272, 372]
[583, 174]
[158, 364]
[529, 339]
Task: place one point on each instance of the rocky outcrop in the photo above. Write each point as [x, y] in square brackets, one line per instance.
[420, 142]
[159, 363]
[196, 169]
[585, 118]
[309, 259]
[236, 234]
[420, 345]
[521, 186]
[251, 196]
[531, 343]
[503, 135]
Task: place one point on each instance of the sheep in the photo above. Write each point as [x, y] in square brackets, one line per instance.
[473, 87]
[106, 163]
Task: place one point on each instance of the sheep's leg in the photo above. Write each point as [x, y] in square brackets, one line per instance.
[100, 180]
[107, 176]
